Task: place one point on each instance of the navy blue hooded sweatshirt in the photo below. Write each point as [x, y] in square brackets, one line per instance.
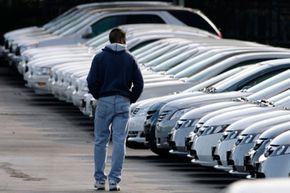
[114, 71]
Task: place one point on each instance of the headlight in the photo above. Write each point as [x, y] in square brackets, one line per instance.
[190, 123]
[197, 126]
[240, 139]
[214, 129]
[270, 149]
[229, 135]
[248, 139]
[281, 150]
[178, 114]
[277, 150]
[200, 130]
[142, 111]
[234, 135]
[42, 71]
[224, 136]
[258, 144]
[178, 124]
[184, 123]
[164, 115]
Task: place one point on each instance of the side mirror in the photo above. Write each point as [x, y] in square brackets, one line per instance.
[88, 33]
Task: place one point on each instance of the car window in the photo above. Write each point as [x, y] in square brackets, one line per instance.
[73, 24]
[247, 62]
[260, 79]
[193, 19]
[60, 18]
[113, 21]
[76, 25]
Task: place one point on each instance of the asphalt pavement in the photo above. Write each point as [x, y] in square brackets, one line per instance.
[46, 146]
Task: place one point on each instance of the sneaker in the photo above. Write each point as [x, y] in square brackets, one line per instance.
[100, 185]
[113, 186]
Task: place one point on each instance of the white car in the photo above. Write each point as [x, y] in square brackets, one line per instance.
[211, 131]
[275, 160]
[261, 144]
[172, 111]
[249, 74]
[229, 137]
[153, 117]
[238, 60]
[222, 149]
[259, 186]
[47, 62]
[207, 138]
[246, 141]
[187, 122]
[157, 85]
[231, 83]
[80, 90]
[90, 22]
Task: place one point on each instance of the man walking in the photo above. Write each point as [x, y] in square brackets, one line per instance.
[116, 81]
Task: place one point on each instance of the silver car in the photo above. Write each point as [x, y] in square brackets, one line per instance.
[261, 144]
[275, 160]
[246, 141]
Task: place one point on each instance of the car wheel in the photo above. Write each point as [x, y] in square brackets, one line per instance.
[135, 145]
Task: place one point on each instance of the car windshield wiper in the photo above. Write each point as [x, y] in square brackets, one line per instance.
[241, 99]
[264, 102]
[209, 89]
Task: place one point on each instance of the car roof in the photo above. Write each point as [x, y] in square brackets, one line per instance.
[188, 101]
[122, 3]
[141, 8]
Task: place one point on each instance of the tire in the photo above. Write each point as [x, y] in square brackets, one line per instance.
[135, 145]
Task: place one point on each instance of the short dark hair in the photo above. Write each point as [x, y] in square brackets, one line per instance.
[116, 35]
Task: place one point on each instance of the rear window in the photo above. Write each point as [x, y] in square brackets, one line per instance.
[194, 20]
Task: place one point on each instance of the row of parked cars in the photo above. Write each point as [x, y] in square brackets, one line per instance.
[221, 102]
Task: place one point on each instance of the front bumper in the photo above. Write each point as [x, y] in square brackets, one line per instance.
[221, 151]
[39, 83]
[78, 99]
[162, 131]
[238, 155]
[203, 147]
[274, 167]
[136, 129]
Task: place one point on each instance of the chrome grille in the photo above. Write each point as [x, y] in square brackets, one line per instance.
[135, 111]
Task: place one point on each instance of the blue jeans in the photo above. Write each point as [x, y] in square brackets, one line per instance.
[112, 114]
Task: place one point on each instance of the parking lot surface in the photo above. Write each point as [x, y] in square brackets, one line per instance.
[46, 146]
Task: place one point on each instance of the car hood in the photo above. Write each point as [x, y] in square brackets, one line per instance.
[189, 102]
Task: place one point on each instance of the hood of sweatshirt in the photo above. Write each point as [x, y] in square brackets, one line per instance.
[116, 47]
